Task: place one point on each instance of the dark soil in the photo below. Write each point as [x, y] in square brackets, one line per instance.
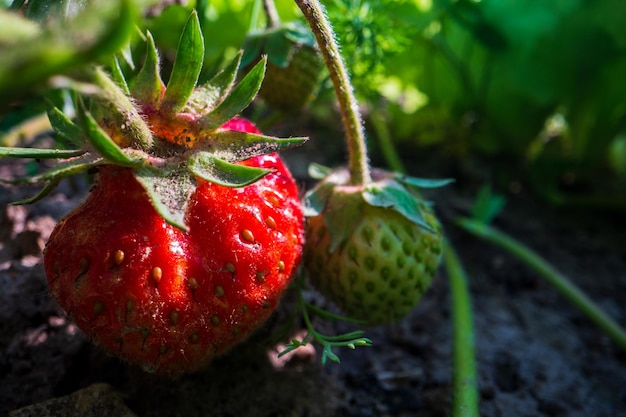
[537, 355]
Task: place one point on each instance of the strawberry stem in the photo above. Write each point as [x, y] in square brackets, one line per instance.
[358, 163]
[273, 20]
[559, 281]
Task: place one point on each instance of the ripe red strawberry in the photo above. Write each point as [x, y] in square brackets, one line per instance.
[170, 300]
[372, 249]
[194, 226]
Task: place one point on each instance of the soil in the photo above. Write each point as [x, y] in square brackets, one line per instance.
[537, 355]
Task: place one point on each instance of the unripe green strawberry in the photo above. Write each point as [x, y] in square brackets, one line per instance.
[294, 65]
[372, 249]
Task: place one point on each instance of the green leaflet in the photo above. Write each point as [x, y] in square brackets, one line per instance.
[215, 170]
[238, 99]
[187, 66]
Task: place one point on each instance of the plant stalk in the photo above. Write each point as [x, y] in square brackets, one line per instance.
[273, 20]
[465, 392]
[554, 277]
[358, 163]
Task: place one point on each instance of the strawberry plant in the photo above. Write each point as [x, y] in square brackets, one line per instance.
[193, 228]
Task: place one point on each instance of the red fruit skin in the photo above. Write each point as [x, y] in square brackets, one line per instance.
[217, 283]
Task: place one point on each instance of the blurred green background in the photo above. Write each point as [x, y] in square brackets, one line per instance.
[538, 85]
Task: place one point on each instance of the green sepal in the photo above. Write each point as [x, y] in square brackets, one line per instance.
[169, 190]
[101, 141]
[47, 189]
[278, 48]
[343, 207]
[300, 33]
[39, 153]
[62, 170]
[233, 146]
[187, 66]
[422, 182]
[148, 85]
[238, 99]
[317, 171]
[393, 195]
[64, 127]
[118, 76]
[211, 94]
[215, 170]
[277, 43]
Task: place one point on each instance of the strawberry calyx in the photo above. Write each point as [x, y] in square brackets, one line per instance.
[168, 134]
[340, 202]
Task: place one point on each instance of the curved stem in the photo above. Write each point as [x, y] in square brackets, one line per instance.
[554, 277]
[273, 20]
[465, 385]
[358, 163]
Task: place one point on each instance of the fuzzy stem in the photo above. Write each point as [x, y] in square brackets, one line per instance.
[273, 20]
[358, 162]
[554, 277]
[465, 392]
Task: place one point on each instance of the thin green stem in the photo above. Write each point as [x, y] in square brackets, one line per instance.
[273, 20]
[358, 163]
[465, 392]
[386, 144]
[465, 387]
[550, 274]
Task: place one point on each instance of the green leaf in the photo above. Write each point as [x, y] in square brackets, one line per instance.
[101, 141]
[215, 170]
[64, 127]
[187, 66]
[99, 30]
[237, 100]
[232, 146]
[15, 28]
[169, 191]
[392, 195]
[39, 153]
[487, 205]
[148, 85]
[211, 94]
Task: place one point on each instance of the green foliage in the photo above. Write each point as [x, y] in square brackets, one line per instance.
[63, 42]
